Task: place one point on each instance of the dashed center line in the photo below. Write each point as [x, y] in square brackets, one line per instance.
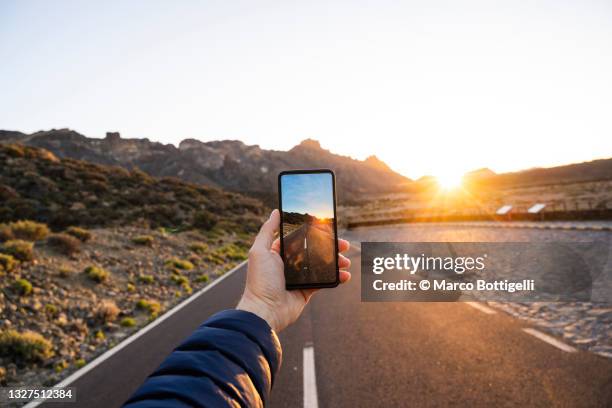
[481, 307]
[550, 340]
[310, 379]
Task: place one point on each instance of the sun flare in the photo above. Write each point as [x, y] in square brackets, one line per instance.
[450, 181]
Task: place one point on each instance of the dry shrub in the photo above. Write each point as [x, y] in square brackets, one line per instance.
[107, 311]
[80, 233]
[18, 249]
[7, 263]
[29, 230]
[27, 346]
[22, 286]
[96, 274]
[64, 243]
[146, 240]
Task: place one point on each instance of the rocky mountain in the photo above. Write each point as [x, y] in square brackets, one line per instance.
[479, 174]
[596, 170]
[229, 164]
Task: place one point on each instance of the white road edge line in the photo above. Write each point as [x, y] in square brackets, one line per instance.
[109, 353]
[310, 380]
[481, 307]
[550, 340]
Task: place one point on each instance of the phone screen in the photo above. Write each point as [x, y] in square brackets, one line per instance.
[308, 228]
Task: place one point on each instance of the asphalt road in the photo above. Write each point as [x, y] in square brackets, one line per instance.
[310, 254]
[389, 354]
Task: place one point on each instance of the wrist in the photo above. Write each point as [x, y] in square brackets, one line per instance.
[249, 303]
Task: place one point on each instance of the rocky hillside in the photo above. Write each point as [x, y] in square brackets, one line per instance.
[36, 185]
[67, 297]
[228, 164]
[90, 253]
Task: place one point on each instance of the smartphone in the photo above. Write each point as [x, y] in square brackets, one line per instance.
[308, 238]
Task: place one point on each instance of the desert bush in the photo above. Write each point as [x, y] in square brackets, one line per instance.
[14, 150]
[7, 193]
[250, 224]
[25, 208]
[151, 306]
[195, 259]
[183, 282]
[64, 243]
[202, 278]
[96, 274]
[204, 220]
[19, 249]
[146, 278]
[128, 322]
[6, 233]
[131, 287]
[107, 311]
[146, 240]
[80, 233]
[51, 309]
[7, 263]
[179, 264]
[61, 366]
[232, 252]
[179, 279]
[199, 247]
[29, 230]
[215, 259]
[27, 346]
[22, 286]
[64, 272]
[79, 363]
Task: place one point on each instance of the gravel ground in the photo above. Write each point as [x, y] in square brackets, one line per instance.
[83, 318]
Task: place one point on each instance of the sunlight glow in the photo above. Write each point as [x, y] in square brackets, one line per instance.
[450, 181]
[445, 81]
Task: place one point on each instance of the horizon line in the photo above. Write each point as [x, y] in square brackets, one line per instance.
[411, 178]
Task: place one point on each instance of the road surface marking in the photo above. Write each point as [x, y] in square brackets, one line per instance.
[481, 307]
[310, 380]
[109, 353]
[550, 340]
[305, 243]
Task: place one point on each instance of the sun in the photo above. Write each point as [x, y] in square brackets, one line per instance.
[450, 181]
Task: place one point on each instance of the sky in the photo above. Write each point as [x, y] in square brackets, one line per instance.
[308, 194]
[430, 87]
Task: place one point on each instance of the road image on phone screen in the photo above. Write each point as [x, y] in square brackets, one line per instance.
[308, 228]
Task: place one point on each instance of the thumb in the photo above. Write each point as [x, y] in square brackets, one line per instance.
[265, 237]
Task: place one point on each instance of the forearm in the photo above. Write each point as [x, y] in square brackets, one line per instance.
[232, 358]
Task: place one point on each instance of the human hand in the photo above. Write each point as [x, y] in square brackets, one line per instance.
[265, 294]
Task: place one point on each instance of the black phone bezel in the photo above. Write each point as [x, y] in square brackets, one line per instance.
[282, 249]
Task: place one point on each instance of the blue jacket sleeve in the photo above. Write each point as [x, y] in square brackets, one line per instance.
[230, 360]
